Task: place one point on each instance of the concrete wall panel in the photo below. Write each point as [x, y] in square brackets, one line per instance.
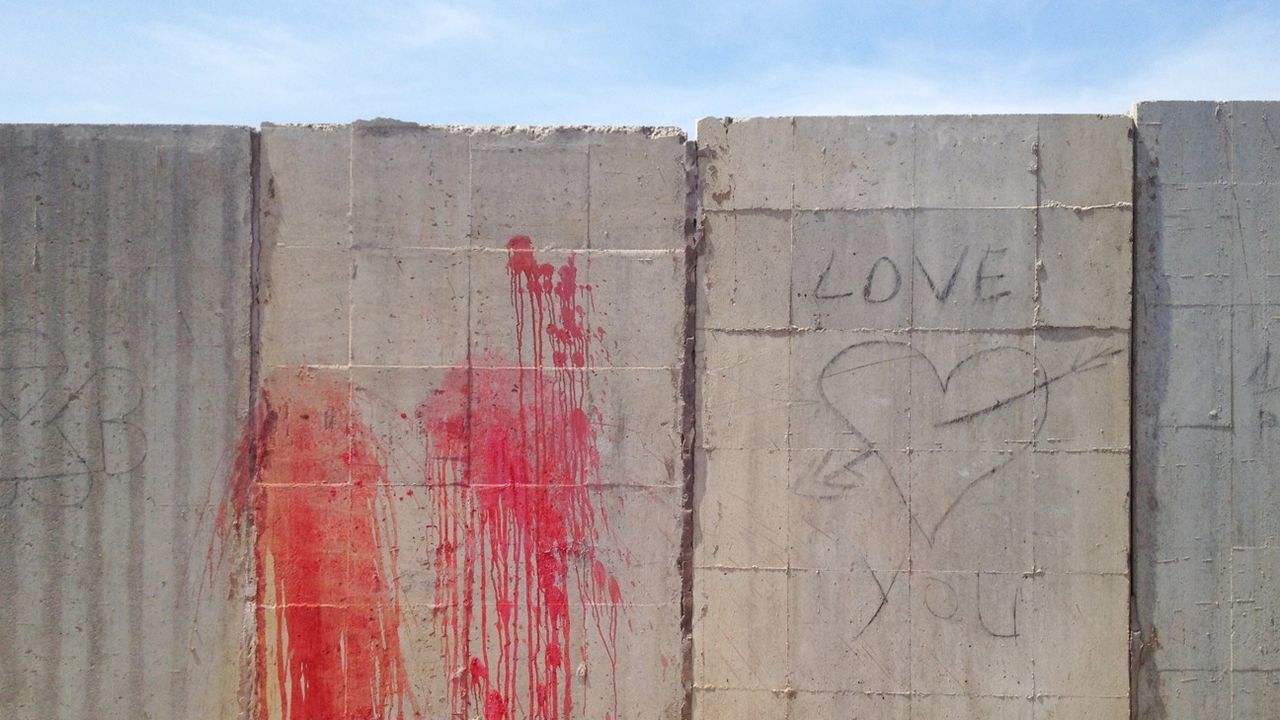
[1205, 564]
[496, 317]
[913, 393]
[124, 387]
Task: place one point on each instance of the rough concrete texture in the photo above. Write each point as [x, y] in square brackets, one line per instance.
[496, 316]
[124, 386]
[1206, 566]
[913, 454]
[438, 469]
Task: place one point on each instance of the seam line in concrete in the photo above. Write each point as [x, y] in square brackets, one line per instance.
[255, 275]
[1135, 624]
[689, 419]
[249, 638]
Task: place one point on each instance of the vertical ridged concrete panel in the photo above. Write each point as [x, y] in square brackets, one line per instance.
[487, 328]
[124, 385]
[913, 462]
[1206, 565]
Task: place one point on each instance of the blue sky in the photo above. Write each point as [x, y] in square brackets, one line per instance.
[652, 63]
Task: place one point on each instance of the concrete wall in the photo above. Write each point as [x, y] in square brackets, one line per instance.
[392, 264]
[124, 384]
[1206, 564]
[913, 467]
[405, 421]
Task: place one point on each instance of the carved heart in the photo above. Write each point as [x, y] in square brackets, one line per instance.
[958, 429]
[961, 426]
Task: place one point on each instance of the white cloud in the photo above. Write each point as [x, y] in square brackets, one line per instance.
[248, 68]
[487, 61]
[1235, 60]
[432, 23]
[236, 50]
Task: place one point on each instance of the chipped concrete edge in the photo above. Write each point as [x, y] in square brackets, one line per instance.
[689, 421]
[534, 131]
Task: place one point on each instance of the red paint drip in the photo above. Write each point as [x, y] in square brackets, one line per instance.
[515, 479]
[326, 604]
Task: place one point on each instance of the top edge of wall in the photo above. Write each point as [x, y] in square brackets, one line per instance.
[391, 125]
[1144, 103]
[940, 116]
[1150, 106]
[199, 138]
[110, 127]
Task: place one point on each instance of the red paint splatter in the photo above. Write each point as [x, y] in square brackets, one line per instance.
[514, 480]
[326, 606]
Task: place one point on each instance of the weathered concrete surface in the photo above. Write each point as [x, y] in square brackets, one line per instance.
[911, 474]
[912, 478]
[389, 266]
[124, 385]
[1206, 566]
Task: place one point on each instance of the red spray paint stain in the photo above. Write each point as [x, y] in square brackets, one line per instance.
[326, 606]
[515, 480]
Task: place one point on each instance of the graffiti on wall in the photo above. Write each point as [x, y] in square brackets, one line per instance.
[520, 592]
[514, 485]
[78, 423]
[327, 612]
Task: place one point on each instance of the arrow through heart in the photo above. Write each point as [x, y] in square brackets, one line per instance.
[984, 412]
